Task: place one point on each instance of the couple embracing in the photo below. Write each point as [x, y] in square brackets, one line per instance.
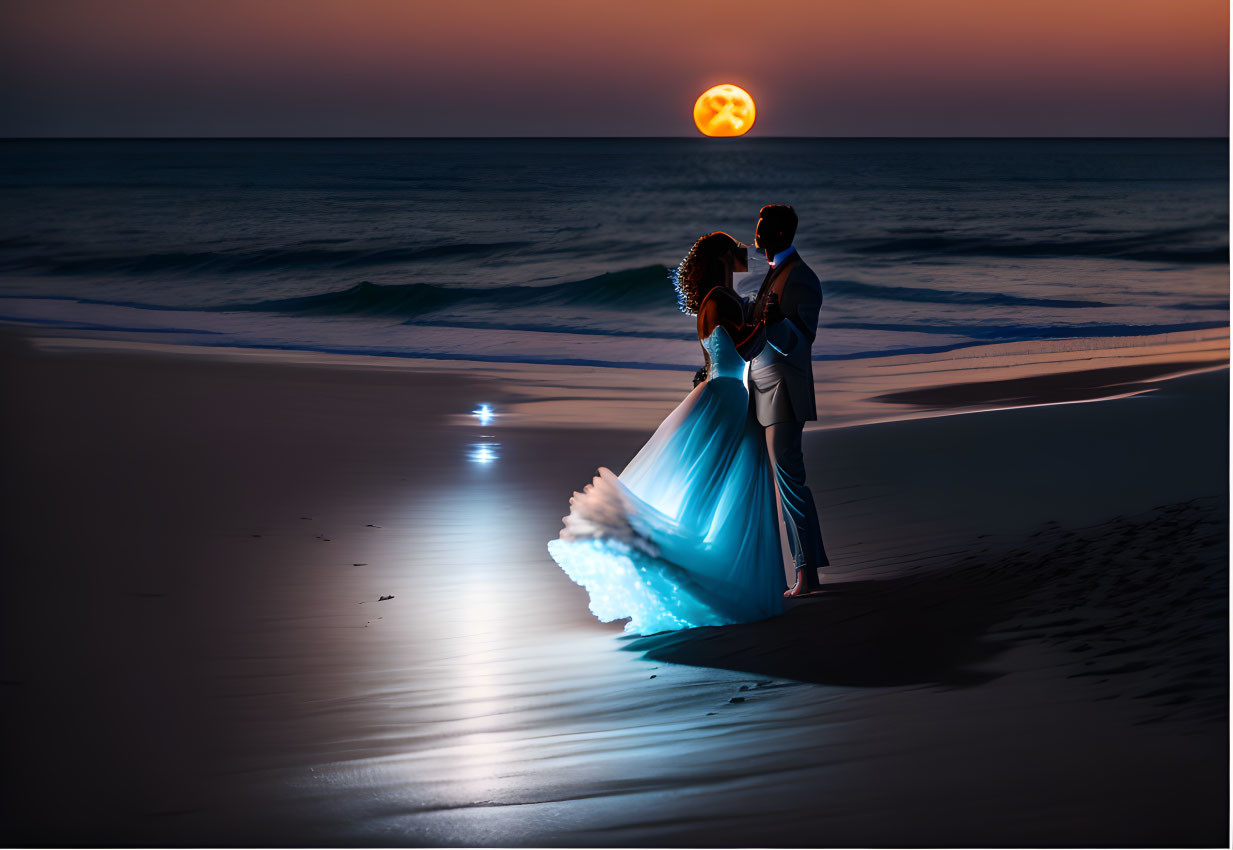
[688, 534]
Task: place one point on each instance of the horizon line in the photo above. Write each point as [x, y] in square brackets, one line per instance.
[594, 138]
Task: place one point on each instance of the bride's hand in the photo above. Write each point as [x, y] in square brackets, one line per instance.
[772, 312]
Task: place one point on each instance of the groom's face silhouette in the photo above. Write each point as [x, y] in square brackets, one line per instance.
[776, 228]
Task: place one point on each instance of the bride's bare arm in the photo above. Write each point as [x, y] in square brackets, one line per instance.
[710, 316]
[726, 308]
[750, 335]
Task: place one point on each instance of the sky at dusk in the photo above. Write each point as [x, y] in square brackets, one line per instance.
[579, 68]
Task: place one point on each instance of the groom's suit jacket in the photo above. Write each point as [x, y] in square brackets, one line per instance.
[781, 376]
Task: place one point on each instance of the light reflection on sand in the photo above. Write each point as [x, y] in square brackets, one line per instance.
[484, 622]
[483, 453]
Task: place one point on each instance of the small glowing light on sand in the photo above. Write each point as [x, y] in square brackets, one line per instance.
[484, 452]
[484, 414]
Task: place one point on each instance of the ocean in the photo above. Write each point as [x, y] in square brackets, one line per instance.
[559, 250]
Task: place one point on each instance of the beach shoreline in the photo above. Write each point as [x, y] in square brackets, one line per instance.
[855, 392]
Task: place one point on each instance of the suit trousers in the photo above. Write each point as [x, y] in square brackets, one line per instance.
[800, 514]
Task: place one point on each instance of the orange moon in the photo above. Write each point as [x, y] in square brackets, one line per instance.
[724, 110]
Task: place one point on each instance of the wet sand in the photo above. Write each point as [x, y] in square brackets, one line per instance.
[1024, 644]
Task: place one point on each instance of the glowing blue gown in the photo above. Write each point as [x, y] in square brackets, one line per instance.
[688, 534]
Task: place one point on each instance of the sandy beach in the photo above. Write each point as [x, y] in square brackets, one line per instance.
[1025, 642]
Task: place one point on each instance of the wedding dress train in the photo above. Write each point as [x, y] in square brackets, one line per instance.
[687, 535]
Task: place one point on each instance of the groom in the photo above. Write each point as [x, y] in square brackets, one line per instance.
[781, 379]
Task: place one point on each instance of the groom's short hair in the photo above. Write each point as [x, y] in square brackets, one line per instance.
[782, 218]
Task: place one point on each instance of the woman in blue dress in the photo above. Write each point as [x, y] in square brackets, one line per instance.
[688, 534]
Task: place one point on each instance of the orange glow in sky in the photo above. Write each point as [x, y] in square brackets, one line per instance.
[404, 68]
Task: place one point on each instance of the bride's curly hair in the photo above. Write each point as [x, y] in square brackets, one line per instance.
[701, 270]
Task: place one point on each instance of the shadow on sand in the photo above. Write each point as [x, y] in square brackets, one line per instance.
[921, 629]
[1093, 595]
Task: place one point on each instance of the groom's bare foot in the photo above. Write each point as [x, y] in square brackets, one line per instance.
[807, 584]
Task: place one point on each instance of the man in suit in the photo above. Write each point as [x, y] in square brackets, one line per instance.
[781, 380]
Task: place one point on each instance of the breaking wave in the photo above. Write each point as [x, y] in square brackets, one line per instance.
[635, 289]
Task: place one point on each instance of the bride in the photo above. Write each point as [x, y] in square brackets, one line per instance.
[687, 535]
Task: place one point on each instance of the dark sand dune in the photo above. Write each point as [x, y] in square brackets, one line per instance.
[1080, 385]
